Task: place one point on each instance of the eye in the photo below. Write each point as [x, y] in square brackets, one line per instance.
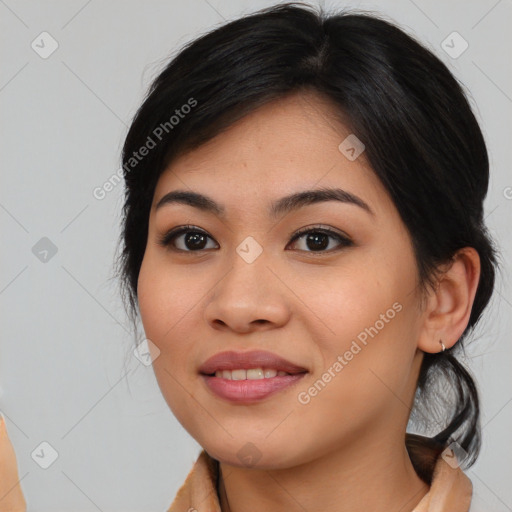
[194, 239]
[317, 238]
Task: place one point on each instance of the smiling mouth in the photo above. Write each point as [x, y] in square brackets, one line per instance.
[239, 387]
[243, 378]
[250, 374]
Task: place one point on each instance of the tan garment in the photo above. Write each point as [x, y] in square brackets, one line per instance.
[450, 489]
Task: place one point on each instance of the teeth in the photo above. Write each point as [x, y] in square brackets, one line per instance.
[238, 374]
[251, 374]
[255, 373]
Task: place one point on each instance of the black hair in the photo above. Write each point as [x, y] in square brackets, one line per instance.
[421, 139]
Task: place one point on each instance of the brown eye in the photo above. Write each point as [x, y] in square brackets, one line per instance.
[193, 239]
[317, 240]
[190, 238]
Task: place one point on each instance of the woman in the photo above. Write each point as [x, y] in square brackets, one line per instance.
[313, 205]
[303, 238]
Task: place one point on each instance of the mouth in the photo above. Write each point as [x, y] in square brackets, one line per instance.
[250, 374]
[247, 377]
[254, 363]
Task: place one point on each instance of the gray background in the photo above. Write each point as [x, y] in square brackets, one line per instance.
[64, 334]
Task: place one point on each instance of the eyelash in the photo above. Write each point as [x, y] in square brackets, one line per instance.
[167, 238]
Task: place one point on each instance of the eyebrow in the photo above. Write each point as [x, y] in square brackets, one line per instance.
[278, 207]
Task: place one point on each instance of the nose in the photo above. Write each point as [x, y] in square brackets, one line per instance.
[250, 297]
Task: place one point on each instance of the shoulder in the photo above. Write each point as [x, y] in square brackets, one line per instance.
[450, 488]
[199, 491]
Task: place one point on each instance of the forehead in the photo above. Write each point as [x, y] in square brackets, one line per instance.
[285, 146]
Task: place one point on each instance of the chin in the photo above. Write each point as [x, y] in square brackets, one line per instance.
[253, 455]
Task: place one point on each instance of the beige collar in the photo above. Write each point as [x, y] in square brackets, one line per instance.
[450, 489]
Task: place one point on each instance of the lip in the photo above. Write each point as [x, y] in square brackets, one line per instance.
[249, 391]
[231, 360]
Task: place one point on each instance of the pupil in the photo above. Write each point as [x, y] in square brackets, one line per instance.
[315, 239]
[196, 240]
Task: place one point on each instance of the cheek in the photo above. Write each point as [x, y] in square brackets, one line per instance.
[167, 296]
[364, 378]
[369, 345]
[349, 304]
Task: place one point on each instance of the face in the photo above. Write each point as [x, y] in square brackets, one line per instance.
[328, 285]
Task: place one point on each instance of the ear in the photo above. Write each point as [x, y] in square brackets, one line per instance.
[448, 308]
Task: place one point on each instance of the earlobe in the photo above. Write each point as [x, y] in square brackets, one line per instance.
[450, 302]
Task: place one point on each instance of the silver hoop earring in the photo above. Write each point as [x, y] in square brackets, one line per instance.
[442, 345]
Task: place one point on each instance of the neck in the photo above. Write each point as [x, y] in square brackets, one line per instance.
[381, 479]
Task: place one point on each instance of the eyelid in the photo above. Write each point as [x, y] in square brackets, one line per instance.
[343, 239]
[321, 228]
[165, 239]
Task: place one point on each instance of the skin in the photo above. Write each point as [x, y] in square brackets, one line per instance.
[304, 305]
[11, 495]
